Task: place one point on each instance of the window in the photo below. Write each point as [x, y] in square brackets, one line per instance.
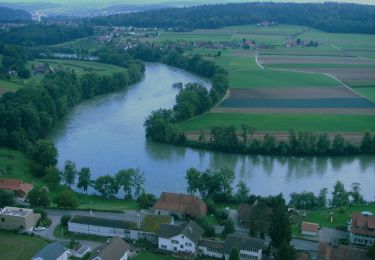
[174, 242]
[182, 246]
[188, 244]
[163, 247]
[2, 220]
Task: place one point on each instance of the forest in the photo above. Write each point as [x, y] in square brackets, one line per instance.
[329, 17]
[44, 34]
[8, 15]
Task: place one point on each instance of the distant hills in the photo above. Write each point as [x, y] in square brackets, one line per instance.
[9, 15]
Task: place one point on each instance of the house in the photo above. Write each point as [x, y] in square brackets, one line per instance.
[53, 251]
[179, 239]
[18, 187]
[115, 249]
[13, 218]
[211, 248]
[328, 251]
[244, 213]
[362, 229]
[144, 228]
[181, 205]
[309, 229]
[249, 248]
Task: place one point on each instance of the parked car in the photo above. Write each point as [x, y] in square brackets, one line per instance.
[39, 228]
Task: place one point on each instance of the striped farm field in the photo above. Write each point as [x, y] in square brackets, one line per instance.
[283, 122]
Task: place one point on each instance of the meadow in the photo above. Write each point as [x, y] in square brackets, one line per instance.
[19, 247]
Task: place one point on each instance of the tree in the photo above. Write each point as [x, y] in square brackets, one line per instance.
[69, 173]
[367, 145]
[7, 198]
[322, 198]
[356, 193]
[234, 254]
[66, 199]
[286, 252]
[84, 179]
[209, 230]
[338, 145]
[371, 251]
[52, 177]
[242, 192]
[340, 197]
[138, 182]
[146, 200]
[64, 220]
[280, 229]
[125, 179]
[44, 153]
[323, 144]
[106, 186]
[228, 227]
[194, 180]
[38, 197]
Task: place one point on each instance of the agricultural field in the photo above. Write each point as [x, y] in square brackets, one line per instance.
[19, 247]
[329, 88]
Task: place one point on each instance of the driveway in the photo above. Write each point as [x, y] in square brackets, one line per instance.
[304, 245]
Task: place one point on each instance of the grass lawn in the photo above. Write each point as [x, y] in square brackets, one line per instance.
[283, 122]
[19, 247]
[368, 92]
[341, 215]
[194, 37]
[153, 256]
[281, 29]
[100, 203]
[211, 219]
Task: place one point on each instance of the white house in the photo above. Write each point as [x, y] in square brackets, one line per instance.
[53, 251]
[144, 228]
[248, 248]
[115, 249]
[180, 238]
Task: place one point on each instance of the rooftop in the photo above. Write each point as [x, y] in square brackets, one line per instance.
[327, 251]
[191, 230]
[15, 185]
[13, 211]
[363, 224]
[242, 243]
[115, 249]
[50, 251]
[309, 227]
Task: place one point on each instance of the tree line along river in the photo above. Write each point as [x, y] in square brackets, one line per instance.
[106, 134]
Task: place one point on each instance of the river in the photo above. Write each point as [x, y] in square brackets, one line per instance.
[106, 134]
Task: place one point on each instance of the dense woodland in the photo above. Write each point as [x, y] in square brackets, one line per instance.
[330, 17]
[43, 34]
[8, 15]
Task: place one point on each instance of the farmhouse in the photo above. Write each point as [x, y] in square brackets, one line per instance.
[115, 249]
[18, 187]
[309, 229]
[12, 218]
[144, 228]
[362, 229]
[183, 239]
[211, 248]
[54, 251]
[181, 205]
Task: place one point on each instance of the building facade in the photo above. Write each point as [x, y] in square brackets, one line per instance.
[362, 229]
[13, 218]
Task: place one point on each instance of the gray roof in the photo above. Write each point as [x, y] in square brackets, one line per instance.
[103, 222]
[211, 243]
[114, 250]
[191, 230]
[242, 243]
[50, 251]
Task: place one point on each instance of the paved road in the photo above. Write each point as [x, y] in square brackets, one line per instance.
[305, 245]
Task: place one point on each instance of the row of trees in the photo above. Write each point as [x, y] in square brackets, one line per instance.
[301, 143]
[331, 17]
[14, 61]
[340, 197]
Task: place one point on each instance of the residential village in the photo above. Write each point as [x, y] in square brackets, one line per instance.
[170, 228]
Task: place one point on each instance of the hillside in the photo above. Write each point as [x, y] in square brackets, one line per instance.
[8, 15]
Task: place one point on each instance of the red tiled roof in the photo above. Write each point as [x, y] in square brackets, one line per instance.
[361, 223]
[15, 185]
[182, 203]
[327, 251]
[310, 227]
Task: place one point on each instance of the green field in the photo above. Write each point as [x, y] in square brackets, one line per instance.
[6, 86]
[19, 247]
[153, 256]
[283, 122]
[368, 92]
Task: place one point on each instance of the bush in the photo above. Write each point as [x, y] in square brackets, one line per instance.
[64, 220]
[209, 230]
[66, 199]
